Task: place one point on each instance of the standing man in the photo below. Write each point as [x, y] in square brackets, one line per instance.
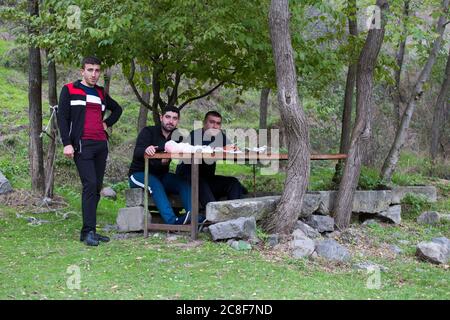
[161, 181]
[211, 186]
[82, 106]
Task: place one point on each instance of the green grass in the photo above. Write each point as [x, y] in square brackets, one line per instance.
[35, 260]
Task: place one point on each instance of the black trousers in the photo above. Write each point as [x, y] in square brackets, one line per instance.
[215, 187]
[91, 164]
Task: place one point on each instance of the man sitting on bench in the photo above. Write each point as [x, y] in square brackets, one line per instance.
[150, 141]
[211, 186]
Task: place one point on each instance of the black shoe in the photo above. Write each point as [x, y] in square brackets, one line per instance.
[184, 219]
[97, 236]
[90, 239]
[101, 238]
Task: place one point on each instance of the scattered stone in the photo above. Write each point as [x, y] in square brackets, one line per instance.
[395, 249]
[331, 250]
[320, 223]
[241, 228]
[432, 252]
[429, 192]
[445, 216]
[108, 193]
[429, 217]
[307, 230]
[311, 202]
[5, 186]
[392, 214]
[131, 219]
[273, 240]
[299, 234]
[302, 247]
[35, 221]
[445, 243]
[333, 235]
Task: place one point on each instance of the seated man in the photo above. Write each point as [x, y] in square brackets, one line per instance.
[149, 141]
[211, 186]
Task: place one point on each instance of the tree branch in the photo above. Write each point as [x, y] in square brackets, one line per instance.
[174, 95]
[133, 86]
[201, 96]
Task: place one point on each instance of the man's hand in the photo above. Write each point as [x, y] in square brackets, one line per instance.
[151, 150]
[230, 147]
[68, 151]
[105, 126]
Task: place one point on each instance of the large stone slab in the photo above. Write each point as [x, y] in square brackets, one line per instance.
[364, 201]
[232, 209]
[429, 192]
[241, 228]
[372, 201]
[5, 186]
[131, 219]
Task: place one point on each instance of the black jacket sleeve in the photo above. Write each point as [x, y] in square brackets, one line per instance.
[116, 110]
[63, 116]
[144, 140]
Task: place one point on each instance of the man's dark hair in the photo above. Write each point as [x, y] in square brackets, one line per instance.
[171, 109]
[90, 60]
[212, 113]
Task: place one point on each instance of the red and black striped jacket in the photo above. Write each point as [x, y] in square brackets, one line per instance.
[72, 110]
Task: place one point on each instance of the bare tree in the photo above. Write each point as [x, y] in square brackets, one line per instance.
[362, 130]
[349, 89]
[283, 219]
[391, 160]
[439, 114]
[396, 93]
[263, 106]
[35, 108]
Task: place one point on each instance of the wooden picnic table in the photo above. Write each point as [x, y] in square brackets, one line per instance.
[196, 159]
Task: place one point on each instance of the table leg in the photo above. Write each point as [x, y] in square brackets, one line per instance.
[254, 180]
[146, 199]
[194, 198]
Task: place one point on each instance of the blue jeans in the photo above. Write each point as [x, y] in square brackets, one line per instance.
[158, 186]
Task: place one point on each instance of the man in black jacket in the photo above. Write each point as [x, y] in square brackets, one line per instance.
[82, 106]
[212, 187]
[161, 181]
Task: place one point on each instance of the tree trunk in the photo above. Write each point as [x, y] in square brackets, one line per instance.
[293, 117]
[439, 113]
[397, 96]
[348, 97]
[107, 77]
[362, 130]
[156, 87]
[143, 110]
[263, 106]
[391, 160]
[51, 153]
[35, 109]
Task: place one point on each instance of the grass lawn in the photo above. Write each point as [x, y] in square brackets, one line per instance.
[38, 262]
